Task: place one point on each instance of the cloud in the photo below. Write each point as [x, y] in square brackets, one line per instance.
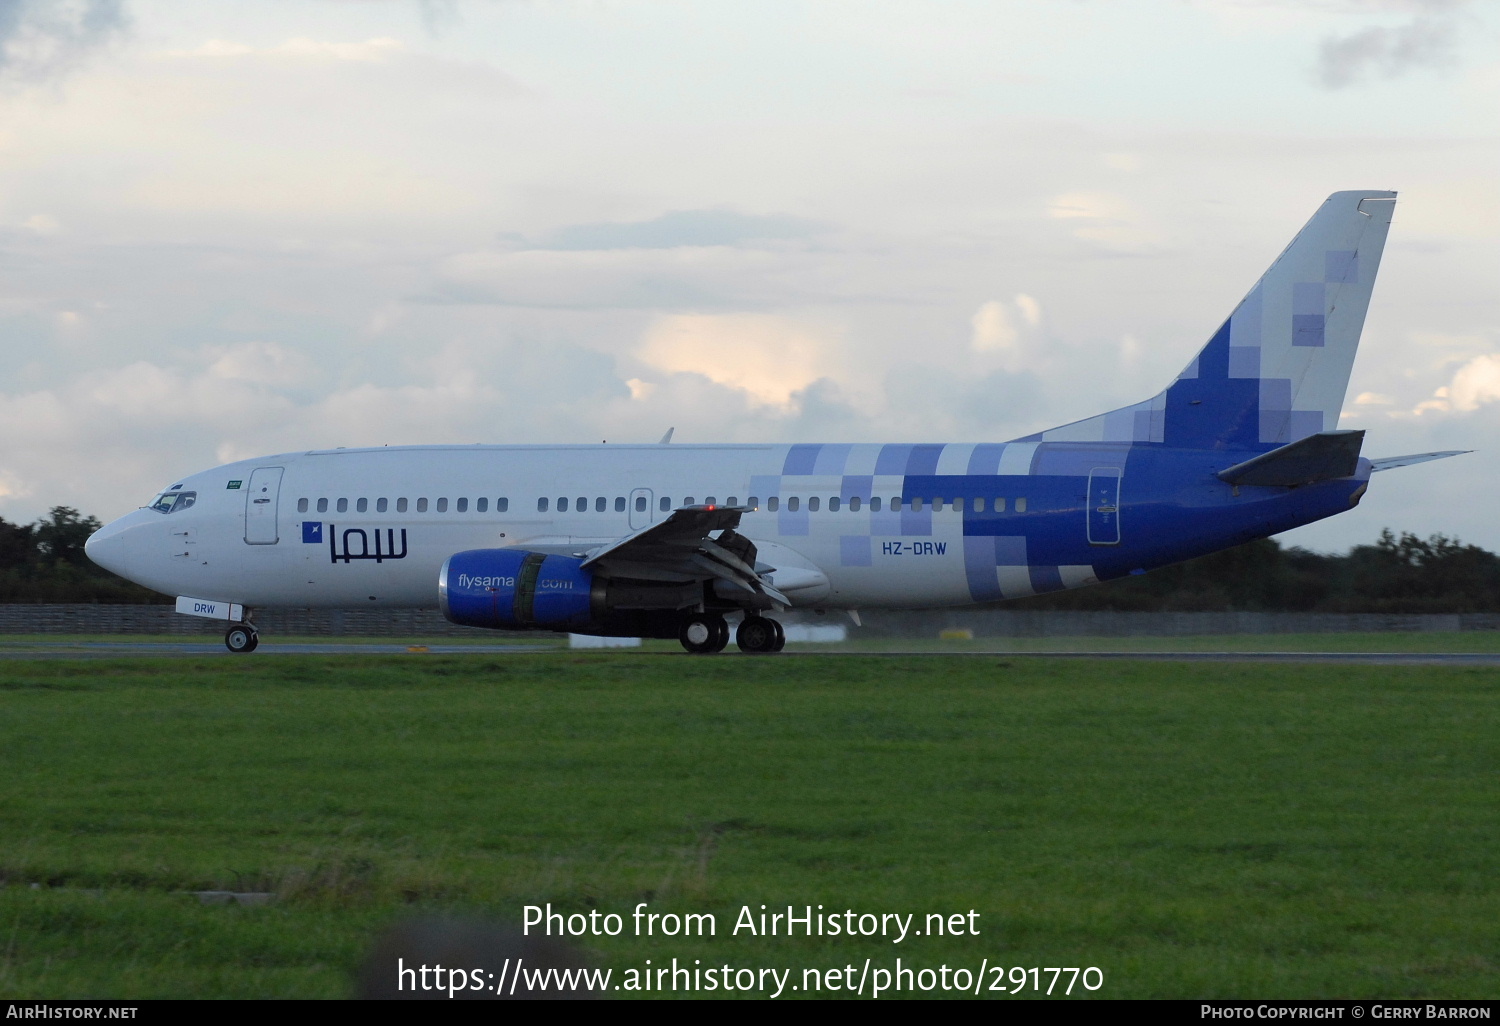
[767, 357]
[668, 279]
[300, 48]
[679, 228]
[40, 38]
[1003, 335]
[1476, 382]
[1107, 220]
[993, 328]
[1379, 51]
[263, 363]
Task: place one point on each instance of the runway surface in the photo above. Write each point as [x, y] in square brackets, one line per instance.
[116, 650]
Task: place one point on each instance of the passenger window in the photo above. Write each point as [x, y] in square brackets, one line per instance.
[916, 505]
[301, 505]
[421, 505]
[793, 504]
[854, 504]
[875, 504]
[1021, 504]
[381, 505]
[562, 503]
[710, 501]
[401, 505]
[461, 506]
[773, 503]
[343, 505]
[582, 505]
[442, 505]
[731, 501]
[753, 502]
[362, 505]
[541, 505]
[895, 504]
[1000, 505]
[502, 505]
[481, 505]
[688, 501]
[833, 504]
[666, 504]
[322, 505]
[620, 503]
[978, 505]
[600, 504]
[640, 503]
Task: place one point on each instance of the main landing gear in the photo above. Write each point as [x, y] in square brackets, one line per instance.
[241, 637]
[760, 634]
[706, 633]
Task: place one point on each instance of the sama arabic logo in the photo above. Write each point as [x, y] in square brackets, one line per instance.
[351, 534]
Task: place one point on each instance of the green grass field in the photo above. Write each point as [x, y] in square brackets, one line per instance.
[1193, 830]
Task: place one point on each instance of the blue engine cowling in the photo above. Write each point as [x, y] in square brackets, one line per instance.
[511, 589]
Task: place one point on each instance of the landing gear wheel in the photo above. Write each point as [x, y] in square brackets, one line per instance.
[758, 635]
[241, 638]
[704, 634]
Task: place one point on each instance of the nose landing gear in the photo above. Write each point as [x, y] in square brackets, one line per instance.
[241, 637]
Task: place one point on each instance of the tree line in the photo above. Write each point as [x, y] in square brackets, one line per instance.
[45, 562]
[1397, 574]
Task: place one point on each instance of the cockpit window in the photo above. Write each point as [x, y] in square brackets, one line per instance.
[171, 502]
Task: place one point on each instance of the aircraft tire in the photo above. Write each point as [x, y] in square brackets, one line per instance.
[758, 635]
[780, 635]
[704, 634]
[241, 638]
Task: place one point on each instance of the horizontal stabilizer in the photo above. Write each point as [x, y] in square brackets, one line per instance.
[1392, 462]
[1320, 457]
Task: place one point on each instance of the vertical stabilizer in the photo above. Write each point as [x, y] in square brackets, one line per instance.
[1277, 369]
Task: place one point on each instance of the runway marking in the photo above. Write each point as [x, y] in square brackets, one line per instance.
[102, 650]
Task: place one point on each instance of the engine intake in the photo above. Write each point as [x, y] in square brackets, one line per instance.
[511, 589]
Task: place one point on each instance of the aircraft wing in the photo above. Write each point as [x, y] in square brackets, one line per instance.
[680, 549]
[1392, 462]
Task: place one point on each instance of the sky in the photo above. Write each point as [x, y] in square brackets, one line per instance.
[230, 230]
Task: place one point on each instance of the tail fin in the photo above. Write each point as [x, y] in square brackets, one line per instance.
[1277, 369]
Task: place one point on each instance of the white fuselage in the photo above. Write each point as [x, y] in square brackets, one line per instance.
[248, 537]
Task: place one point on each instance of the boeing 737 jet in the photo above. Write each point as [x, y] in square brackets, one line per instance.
[672, 541]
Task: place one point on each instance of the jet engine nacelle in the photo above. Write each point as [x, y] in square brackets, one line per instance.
[511, 589]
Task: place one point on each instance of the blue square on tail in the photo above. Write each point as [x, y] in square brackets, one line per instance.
[312, 532]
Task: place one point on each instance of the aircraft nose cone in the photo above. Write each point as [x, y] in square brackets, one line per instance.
[108, 546]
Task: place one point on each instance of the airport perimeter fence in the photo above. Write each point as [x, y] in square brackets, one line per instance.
[984, 623]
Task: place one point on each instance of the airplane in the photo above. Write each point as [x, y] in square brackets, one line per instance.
[673, 540]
